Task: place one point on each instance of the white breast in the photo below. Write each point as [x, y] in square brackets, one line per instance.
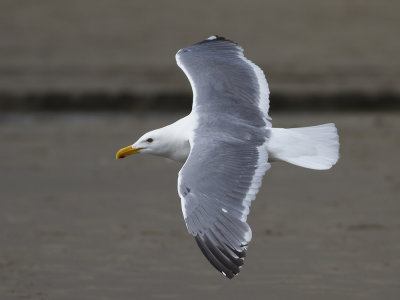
[178, 134]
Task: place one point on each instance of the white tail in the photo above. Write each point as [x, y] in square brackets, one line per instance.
[314, 147]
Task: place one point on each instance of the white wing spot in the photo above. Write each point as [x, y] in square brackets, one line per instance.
[223, 273]
[213, 37]
[224, 210]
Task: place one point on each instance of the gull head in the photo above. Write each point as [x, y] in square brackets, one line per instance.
[170, 141]
[153, 142]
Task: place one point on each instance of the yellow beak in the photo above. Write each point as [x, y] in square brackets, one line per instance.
[126, 152]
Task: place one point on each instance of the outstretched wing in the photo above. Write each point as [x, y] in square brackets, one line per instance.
[228, 157]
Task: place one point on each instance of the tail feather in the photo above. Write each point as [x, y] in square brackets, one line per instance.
[313, 147]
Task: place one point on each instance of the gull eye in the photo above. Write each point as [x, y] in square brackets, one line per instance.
[150, 140]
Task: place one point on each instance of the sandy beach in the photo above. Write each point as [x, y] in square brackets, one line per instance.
[77, 224]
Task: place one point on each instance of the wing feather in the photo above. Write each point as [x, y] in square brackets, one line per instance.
[228, 156]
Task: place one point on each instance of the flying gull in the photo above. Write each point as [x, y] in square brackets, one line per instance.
[227, 143]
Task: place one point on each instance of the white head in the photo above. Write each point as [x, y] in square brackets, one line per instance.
[170, 141]
[152, 142]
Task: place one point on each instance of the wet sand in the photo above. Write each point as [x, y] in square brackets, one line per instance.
[77, 224]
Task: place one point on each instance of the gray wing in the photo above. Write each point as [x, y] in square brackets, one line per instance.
[228, 157]
[224, 80]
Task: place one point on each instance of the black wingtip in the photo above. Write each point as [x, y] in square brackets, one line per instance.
[215, 38]
[228, 265]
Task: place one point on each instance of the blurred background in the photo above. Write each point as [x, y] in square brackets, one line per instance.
[57, 54]
[81, 79]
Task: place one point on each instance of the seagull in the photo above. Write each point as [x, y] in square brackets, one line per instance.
[227, 143]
